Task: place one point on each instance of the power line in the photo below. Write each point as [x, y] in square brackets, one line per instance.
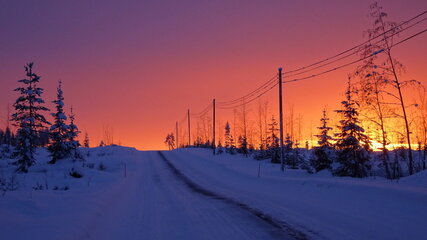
[306, 68]
[410, 37]
[203, 112]
[355, 52]
[267, 89]
[255, 94]
[244, 102]
[355, 47]
[355, 61]
[271, 83]
[272, 79]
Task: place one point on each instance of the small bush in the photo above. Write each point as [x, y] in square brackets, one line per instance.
[102, 167]
[65, 188]
[8, 184]
[90, 165]
[38, 187]
[75, 174]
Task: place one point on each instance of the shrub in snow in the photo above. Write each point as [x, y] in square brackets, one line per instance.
[5, 151]
[38, 187]
[101, 166]
[8, 184]
[90, 165]
[75, 173]
[65, 188]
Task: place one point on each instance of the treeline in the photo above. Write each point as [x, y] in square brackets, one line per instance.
[375, 115]
[345, 153]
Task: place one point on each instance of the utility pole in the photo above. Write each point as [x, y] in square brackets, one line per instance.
[176, 129]
[282, 166]
[213, 139]
[189, 127]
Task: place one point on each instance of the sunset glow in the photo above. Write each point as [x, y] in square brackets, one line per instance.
[134, 69]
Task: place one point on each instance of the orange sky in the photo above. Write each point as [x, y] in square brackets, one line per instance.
[136, 66]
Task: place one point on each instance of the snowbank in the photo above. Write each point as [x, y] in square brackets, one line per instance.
[49, 202]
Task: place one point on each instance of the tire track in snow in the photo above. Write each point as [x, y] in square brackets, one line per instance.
[288, 229]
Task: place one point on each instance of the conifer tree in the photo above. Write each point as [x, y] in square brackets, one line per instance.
[8, 136]
[43, 137]
[243, 145]
[28, 119]
[86, 141]
[272, 145]
[59, 148]
[322, 153]
[72, 135]
[220, 148]
[352, 143]
[288, 152]
[4, 146]
[6, 142]
[229, 140]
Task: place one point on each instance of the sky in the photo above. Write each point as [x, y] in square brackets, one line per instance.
[136, 66]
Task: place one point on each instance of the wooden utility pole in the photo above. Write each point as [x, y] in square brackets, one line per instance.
[189, 127]
[176, 129]
[282, 166]
[213, 138]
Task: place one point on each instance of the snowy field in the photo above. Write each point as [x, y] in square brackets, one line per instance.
[190, 194]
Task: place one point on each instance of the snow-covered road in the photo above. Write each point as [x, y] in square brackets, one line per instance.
[154, 203]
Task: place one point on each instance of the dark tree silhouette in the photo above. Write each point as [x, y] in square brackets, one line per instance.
[28, 119]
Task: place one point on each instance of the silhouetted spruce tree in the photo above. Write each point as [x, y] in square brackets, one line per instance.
[5, 148]
[59, 148]
[9, 138]
[86, 141]
[288, 153]
[323, 153]
[43, 137]
[352, 143]
[72, 135]
[7, 142]
[273, 148]
[229, 140]
[28, 119]
[220, 149]
[243, 145]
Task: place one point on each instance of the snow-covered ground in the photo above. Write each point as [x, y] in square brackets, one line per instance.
[50, 204]
[137, 195]
[320, 205]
